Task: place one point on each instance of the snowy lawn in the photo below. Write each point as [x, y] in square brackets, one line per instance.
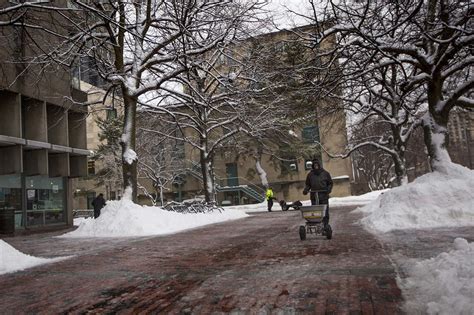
[432, 200]
[443, 284]
[126, 219]
[12, 260]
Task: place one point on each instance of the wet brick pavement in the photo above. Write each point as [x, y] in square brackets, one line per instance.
[256, 265]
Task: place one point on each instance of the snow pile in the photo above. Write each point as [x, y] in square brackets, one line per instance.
[432, 200]
[126, 219]
[444, 284]
[78, 221]
[356, 200]
[12, 260]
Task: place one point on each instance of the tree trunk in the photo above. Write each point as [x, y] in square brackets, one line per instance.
[207, 178]
[399, 161]
[435, 127]
[129, 163]
[436, 137]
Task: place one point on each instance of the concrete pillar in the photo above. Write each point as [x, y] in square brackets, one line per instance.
[77, 130]
[58, 164]
[11, 160]
[34, 120]
[10, 114]
[69, 201]
[36, 162]
[57, 125]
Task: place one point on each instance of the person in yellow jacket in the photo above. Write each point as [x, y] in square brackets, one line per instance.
[269, 197]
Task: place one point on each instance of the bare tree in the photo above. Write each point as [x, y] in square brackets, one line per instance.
[427, 41]
[161, 158]
[140, 45]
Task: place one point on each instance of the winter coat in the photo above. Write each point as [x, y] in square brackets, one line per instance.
[98, 203]
[318, 180]
[269, 194]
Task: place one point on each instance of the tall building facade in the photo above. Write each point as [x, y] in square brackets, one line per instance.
[42, 136]
[236, 174]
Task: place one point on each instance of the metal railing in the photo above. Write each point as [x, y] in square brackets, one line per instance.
[249, 188]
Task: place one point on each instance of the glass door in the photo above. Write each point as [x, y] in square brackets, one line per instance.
[231, 172]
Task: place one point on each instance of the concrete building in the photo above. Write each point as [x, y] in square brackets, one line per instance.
[236, 176]
[461, 137]
[42, 138]
[237, 179]
[86, 188]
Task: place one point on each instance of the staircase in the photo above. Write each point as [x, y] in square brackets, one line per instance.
[251, 190]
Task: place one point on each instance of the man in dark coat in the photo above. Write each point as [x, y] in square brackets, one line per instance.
[319, 180]
[98, 203]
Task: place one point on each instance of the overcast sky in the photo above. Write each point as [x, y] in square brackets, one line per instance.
[283, 19]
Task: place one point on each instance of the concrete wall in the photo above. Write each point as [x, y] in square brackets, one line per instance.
[77, 130]
[57, 125]
[34, 120]
[36, 162]
[10, 114]
[11, 160]
[58, 164]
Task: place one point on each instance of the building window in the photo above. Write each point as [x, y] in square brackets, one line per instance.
[90, 198]
[91, 168]
[45, 200]
[10, 203]
[111, 113]
[310, 134]
[288, 165]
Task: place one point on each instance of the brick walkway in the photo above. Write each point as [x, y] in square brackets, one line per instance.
[256, 265]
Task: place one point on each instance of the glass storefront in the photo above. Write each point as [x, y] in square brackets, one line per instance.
[10, 202]
[45, 200]
[31, 201]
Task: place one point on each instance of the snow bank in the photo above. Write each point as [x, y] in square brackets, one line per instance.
[12, 260]
[126, 219]
[432, 200]
[78, 221]
[443, 284]
[356, 200]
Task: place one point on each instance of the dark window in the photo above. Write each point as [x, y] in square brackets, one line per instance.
[90, 198]
[91, 167]
[111, 113]
[310, 134]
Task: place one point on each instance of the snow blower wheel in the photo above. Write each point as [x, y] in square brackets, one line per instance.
[328, 232]
[302, 232]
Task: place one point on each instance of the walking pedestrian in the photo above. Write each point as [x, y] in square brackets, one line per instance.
[98, 203]
[319, 183]
[269, 197]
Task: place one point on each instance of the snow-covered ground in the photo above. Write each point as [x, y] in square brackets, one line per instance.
[443, 284]
[335, 201]
[432, 200]
[126, 219]
[12, 260]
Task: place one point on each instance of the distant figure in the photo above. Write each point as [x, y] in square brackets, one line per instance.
[269, 197]
[98, 203]
[319, 182]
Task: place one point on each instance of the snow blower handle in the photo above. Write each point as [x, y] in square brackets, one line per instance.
[316, 193]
